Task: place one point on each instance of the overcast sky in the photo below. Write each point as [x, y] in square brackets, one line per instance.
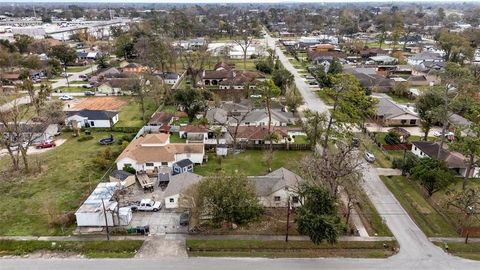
[225, 1]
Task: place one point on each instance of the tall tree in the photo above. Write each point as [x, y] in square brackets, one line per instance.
[191, 100]
[65, 55]
[229, 198]
[269, 91]
[314, 126]
[433, 175]
[317, 217]
[428, 105]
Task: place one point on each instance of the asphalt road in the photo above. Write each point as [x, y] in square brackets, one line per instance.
[74, 77]
[312, 101]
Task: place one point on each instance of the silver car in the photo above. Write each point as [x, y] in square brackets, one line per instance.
[369, 157]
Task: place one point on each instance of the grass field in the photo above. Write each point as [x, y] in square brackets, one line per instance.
[71, 89]
[469, 251]
[292, 249]
[325, 98]
[251, 162]
[77, 69]
[422, 212]
[130, 114]
[90, 249]
[67, 176]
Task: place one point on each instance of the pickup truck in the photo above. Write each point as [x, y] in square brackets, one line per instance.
[147, 205]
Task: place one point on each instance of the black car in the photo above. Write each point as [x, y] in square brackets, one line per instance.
[184, 219]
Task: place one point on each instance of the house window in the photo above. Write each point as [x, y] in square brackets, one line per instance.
[92, 123]
[403, 122]
[247, 123]
[164, 163]
[294, 199]
[413, 122]
[415, 148]
[149, 164]
[276, 198]
[172, 200]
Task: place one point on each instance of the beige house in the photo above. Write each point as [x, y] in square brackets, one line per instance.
[389, 113]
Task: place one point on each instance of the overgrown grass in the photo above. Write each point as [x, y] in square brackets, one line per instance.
[131, 115]
[301, 140]
[422, 212]
[468, 251]
[67, 176]
[71, 89]
[251, 162]
[91, 249]
[292, 249]
[325, 98]
[175, 138]
[77, 69]
[370, 216]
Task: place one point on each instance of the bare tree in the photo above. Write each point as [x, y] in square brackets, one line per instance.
[334, 169]
[467, 202]
[194, 62]
[244, 41]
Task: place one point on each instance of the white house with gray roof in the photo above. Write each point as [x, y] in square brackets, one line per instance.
[277, 187]
[177, 186]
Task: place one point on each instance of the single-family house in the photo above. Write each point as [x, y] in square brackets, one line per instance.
[126, 179]
[169, 77]
[182, 166]
[194, 133]
[259, 134]
[116, 86]
[455, 161]
[161, 119]
[425, 56]
[134, 68]
[92, 118]
[177, 185]
[149, 152]
[389, 113]
[278, 188]
[383, 60]
[225, 76]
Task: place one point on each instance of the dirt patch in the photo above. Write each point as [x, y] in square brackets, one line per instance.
[99, 103]
[47, 254]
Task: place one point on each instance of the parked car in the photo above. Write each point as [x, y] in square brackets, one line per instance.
[439, 134]
[46, 144]
[87, 86]
[369, 157]
[184, 219]
[89, 93]
[66, 97]
[147, 205]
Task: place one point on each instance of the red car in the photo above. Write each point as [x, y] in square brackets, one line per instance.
[45, 144]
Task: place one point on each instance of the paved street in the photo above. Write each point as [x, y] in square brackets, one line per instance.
[310, 98]
[74, 77]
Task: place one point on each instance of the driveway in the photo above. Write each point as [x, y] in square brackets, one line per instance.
[32, 150]
[415, 131]
[160, 222]
[163, 246]
[74, 77]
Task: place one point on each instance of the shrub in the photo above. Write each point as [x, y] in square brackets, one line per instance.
[129, 169]
[392, 137]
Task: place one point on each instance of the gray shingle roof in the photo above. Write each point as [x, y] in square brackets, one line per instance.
[94, 114]
[181, 182]
[120, 174]
[389, 109]
[276, 180]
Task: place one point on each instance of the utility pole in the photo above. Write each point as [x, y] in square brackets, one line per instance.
[288, 218]
[106, 220]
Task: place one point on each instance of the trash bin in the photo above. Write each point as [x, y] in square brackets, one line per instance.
[143, 230]
[131, 230]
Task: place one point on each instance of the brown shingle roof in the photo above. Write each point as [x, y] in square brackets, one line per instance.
[165, 153]
[258, 132]
[194, 129]
[163, 118]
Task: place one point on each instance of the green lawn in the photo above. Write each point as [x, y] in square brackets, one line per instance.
[68, 175]
[469, 251]
[130, 114]
[90, 249]
[370, 216]
[251, 162]
[5, 98]
[292, 249]
[324, 97]
[301, 140]
[400, 100]
[175, 138]
[77, 69]
[420, 210]
[71, 89]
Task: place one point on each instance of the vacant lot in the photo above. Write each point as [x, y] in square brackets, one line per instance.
[32, 204]
[292, 249]
[100, 103]
[130, 114]
[251, 162]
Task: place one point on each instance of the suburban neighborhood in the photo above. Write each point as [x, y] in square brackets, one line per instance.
[182, 135]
